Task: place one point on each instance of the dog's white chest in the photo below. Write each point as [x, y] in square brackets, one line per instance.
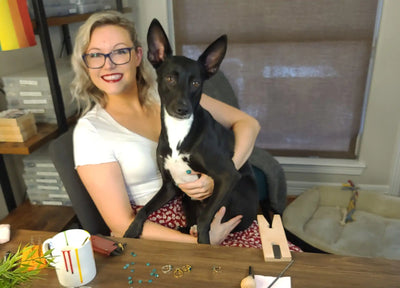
[177, 163]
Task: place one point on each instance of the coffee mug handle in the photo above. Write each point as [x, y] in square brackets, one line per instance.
[46, 246]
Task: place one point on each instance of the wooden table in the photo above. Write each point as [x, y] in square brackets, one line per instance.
[309, 269]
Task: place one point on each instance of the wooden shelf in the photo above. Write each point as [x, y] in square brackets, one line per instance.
[45, 133]
[58, 21]
[40, 217]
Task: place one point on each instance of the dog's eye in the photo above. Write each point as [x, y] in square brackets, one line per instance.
[195, 84]
[170, 79]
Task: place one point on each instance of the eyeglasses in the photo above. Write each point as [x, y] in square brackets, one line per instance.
[97, 60]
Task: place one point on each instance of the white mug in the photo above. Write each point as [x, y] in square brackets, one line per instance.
[72, 257]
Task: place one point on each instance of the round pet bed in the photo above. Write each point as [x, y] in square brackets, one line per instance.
[316, 217]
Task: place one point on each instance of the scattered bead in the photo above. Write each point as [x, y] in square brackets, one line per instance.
[153, 273]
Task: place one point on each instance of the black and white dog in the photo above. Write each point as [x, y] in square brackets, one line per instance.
[191, 139]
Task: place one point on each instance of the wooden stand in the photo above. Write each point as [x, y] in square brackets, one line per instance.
[274, 243]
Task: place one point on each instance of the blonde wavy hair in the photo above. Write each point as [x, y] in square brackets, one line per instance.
[83, 90]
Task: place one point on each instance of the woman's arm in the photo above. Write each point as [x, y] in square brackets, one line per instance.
[105, 184]
[244, 127]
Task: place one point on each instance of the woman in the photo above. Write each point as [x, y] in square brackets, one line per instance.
[116, 139]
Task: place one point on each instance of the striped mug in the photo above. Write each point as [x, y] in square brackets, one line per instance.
[72, 256]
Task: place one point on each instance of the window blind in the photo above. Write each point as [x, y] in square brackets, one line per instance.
[299, 67]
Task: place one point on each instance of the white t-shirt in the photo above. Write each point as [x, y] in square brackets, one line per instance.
[98, 138]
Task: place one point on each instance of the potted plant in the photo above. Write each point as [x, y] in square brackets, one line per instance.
[22, 266]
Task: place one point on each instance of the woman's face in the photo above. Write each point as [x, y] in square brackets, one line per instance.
[111, 78]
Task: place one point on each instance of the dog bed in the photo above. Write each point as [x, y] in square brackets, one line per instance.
[316, 217]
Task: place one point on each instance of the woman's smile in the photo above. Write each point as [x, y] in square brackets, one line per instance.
[112, 78]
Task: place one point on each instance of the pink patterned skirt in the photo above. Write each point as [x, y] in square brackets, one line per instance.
[171, 215]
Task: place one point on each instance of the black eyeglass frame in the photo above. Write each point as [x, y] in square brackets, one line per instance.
[108, 55]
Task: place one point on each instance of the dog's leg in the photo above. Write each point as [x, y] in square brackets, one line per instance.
[191, 210]
[223, 186]
[165, 194]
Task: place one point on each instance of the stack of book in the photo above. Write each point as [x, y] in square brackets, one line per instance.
[16, 126]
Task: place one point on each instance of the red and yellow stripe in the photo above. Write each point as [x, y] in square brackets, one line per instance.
[15, 25]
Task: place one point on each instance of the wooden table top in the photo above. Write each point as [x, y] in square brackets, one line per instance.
[309, 269]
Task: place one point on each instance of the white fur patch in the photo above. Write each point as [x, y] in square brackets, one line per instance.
[178, 167]
[177, 129]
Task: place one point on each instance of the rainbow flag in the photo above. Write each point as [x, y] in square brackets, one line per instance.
[15, 25]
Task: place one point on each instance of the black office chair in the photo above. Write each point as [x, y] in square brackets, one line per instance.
[61, 153]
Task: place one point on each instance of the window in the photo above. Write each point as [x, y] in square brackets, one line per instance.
[299, 67]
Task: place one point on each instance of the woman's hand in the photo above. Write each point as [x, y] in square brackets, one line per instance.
[219, 231]
[199, 189]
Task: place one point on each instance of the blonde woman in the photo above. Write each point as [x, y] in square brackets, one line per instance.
[115, 140]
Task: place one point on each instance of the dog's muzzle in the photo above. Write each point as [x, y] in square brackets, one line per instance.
[181, 112]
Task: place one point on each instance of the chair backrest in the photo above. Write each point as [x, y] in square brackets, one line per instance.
[61, 153]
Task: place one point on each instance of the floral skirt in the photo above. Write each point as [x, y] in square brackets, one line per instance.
[171, 215]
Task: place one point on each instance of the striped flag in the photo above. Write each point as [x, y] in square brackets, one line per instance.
[15, 25]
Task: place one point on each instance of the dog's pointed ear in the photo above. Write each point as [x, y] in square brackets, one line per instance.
[212, 57]
[158, 45]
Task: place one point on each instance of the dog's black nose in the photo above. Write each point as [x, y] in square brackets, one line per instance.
[182, 111]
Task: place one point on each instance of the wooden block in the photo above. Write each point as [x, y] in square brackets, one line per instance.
[16, 118]
[16, 126]
[17, 135]
[272, 238]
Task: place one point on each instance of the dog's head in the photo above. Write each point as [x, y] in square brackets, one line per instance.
[180, 79]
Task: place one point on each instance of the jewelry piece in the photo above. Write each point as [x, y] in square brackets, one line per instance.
[216, 268]
[166, 268]
[186, 268]
[178, 273]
